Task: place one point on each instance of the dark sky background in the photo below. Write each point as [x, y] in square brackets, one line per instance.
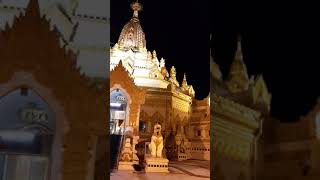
[178, 31]
[279, 40]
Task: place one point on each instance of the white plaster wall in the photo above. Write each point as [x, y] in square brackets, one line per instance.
[92, 35]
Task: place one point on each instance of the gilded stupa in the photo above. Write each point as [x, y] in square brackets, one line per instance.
[143, 65]
[132, 35]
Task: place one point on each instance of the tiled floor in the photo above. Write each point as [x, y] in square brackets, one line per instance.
[186, 170]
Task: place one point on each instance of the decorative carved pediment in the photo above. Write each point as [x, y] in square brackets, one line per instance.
[119, 75]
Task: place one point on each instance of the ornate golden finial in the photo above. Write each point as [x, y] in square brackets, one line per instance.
[154, 54]
[136, 7]
[173, 78]
[173, 72]
[184, 81]
[162, 63]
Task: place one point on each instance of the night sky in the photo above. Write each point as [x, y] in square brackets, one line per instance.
[281, 41]
[178, 31]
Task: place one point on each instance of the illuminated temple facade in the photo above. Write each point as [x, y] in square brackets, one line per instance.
[239, 107]
[143, 92]
[248, 143]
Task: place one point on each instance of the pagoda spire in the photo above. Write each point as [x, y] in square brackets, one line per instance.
[238, 79]
[238, 54]
[184, 81]
[238, 67]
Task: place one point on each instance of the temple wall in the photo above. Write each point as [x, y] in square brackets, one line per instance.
[228, 169]
[295, 147]
[200, 150]
[296, 131]
[235, 135]
[199, 131]
[92, 18]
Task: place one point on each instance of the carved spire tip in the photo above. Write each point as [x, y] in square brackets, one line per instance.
[136, 7]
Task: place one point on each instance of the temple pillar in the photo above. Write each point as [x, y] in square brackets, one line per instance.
[134, 117]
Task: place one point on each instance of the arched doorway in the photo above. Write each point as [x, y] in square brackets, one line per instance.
[119, 121]
[131, 98]
[26, 136]
[118, 111]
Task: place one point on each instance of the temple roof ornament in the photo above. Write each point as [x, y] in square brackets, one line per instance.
[163, 68]
[238, 79]
[173, 76]
[162, 63]
[132, 35]
[191, 91]
[155, 58]
[154, 54]
[173, 72]
[184, 82]
[187, 89]
[260, 93]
